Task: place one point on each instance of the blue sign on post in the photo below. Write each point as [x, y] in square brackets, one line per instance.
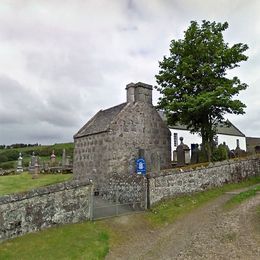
[140, 166]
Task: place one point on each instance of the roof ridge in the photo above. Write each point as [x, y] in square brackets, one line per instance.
[113, 107]
[126, 105]
[101, 121]
[91, 120]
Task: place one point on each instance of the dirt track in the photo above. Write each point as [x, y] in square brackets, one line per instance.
[206, 233]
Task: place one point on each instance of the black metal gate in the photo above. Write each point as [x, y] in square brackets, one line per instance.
[115, 202]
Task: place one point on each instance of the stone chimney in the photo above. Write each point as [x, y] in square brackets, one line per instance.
[139, 92]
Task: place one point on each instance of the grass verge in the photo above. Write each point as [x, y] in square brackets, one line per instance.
[92, 240]
[24, 182]
[169, 210]
[86, 240]
[242, 196]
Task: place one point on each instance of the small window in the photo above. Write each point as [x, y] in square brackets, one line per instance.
[237, 142]
[175, 139]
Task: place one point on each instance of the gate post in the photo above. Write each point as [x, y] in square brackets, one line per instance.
[91, 202]
[117, 200]
[147, 197]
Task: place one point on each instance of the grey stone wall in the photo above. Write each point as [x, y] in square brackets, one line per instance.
[112, 153]
[173, 183]
[90, 155]
[251, 143]
[67, 202]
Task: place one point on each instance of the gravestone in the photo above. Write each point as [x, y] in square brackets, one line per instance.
[68, 161]
[257, 149]
[174, 157]
[63, 158]
[183, 153]
[33, 159]
[155, 162]
[131, 166]
[195, 154]
[32, 163]
[20, 163]
[53, 157]
[36, 170]
[239, 152]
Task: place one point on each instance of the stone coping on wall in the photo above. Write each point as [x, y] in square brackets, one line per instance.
[189, 168]
[40, 191]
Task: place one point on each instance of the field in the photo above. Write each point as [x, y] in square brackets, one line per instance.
[8, 157]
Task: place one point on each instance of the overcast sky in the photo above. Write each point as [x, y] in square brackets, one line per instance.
[62, 61]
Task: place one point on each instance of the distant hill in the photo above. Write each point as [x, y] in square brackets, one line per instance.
[8, 157]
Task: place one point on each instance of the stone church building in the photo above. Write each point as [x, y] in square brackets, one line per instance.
[110, 142]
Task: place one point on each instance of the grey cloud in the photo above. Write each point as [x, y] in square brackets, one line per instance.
[73, 58]
[64, 65]
[130, 28]
[24, 111]
[14, 100]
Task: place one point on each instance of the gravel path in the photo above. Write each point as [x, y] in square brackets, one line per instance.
[206, 233]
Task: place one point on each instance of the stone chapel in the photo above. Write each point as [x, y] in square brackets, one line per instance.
[110, 142]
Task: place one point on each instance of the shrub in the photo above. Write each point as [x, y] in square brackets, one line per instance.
[9, 155]
[7, 165]
[220, 153]
[3, 158]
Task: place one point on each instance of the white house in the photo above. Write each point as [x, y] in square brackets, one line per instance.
[231, 135]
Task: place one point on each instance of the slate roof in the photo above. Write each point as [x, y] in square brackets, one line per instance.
[100, 122]
[221, 129]
[229, 130]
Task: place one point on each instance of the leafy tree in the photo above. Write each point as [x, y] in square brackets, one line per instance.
[193, 80]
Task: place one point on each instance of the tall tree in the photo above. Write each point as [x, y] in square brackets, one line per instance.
[193, 80]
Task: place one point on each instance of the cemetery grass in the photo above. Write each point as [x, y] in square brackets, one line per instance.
[24, 182]
[12, 164]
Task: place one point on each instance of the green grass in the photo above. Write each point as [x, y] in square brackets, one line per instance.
[169, 210]
[241, 197]
[92, 240]
[24, 182]
[88, 240]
